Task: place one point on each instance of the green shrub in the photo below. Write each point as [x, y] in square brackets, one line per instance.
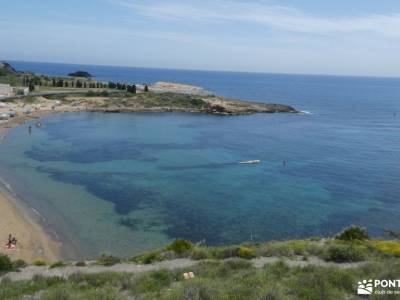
[273, 293]
[5, 263]
[304, 247]
[313, 283]
[19, 264]
[39, 263]
[238, 264]
[97, 280]
[154, 281]
[199, 253]
[344, 253]
[108, 260]
[245, 252]
[386, 247]
[60, 293]
[290, 248]
[276, 271]
[353, 233]
[197, 290]
[29, 99]
[58, 264]
[224, 252]
[180, 246]
[149, 257]
[197, 102]
[275, 249]
[80, 263]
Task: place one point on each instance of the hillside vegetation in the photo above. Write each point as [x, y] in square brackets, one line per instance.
[105, 101]
[324, 269]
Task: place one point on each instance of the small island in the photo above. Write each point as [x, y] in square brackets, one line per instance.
[82, 74]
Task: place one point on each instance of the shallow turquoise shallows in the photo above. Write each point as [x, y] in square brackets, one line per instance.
[124, 183]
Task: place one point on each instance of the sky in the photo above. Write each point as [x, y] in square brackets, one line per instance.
[341, 37]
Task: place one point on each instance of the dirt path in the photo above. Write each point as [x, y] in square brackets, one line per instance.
[29, 272]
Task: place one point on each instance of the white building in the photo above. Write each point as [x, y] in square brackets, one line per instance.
[6, 91]
[22, 91]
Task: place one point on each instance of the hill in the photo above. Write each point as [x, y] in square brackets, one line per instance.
[7, 68]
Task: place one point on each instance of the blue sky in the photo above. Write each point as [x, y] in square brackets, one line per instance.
[352, 37]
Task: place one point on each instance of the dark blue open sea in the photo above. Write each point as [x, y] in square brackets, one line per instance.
[125, 183]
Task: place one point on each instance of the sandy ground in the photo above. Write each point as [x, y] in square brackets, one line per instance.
[33, 242]
[15, 218]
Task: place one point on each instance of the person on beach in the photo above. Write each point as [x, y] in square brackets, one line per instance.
[12, 242]
[9, 243]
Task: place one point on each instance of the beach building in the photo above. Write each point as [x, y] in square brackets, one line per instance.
[6, 91]
[23, 91]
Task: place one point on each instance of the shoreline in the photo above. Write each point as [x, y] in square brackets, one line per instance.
[22, 221]
[19, 219]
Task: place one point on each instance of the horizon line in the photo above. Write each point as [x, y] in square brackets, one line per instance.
[207, 70]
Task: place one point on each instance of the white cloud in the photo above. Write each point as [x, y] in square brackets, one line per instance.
[262, 13]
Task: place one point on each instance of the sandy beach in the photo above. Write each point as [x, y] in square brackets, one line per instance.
[17, 218]
[33, 242]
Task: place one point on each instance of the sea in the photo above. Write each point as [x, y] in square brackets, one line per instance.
[127, 183]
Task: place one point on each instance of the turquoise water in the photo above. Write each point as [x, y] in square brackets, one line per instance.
[125, 183]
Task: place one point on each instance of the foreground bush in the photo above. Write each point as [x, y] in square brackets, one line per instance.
[344, 253]
[108, 260]
[80, 263]
[199, 253]
[148, 257]
[245, 252]
[353, 233]
[179, 246]
[57, 264]
[5, 264]
[290, 248]
[39, 263]
[224, 252]
[233, 279]
[387, 247]
[153, 281]
[19, 264]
